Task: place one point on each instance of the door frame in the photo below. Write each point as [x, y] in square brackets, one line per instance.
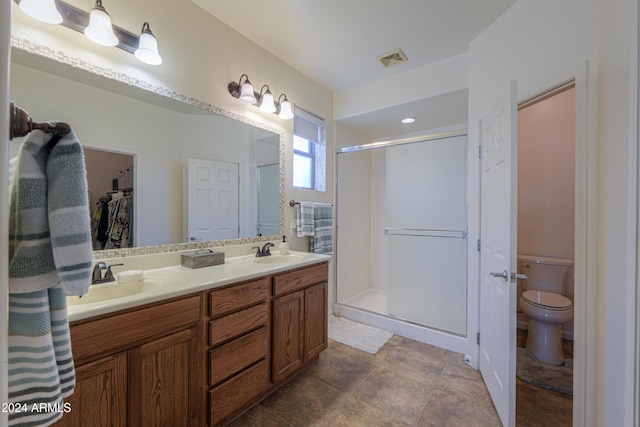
[584, 379]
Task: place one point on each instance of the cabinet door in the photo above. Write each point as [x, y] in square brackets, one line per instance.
[288, 321]
[100, 396]
[315, 320]
[159, 381]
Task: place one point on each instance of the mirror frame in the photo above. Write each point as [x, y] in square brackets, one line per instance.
[30, 47]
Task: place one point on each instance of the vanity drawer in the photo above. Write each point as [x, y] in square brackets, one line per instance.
[231, 299]
[233, 357]
[117, 332]
[301, 278]
[228, 327]
[236, 393]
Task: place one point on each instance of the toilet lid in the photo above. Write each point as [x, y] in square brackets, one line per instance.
[549, 300]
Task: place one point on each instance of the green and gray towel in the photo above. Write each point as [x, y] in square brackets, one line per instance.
[316, 221]
[50, 256]
[49, 219]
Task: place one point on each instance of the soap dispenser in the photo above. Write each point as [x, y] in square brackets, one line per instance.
[283, 248]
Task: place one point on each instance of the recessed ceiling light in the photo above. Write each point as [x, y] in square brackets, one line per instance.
[407, 120]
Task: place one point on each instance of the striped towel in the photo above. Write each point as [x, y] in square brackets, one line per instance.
[305, 224]
[50, 256]
[49, 219]
[322, 240]
[41, 370]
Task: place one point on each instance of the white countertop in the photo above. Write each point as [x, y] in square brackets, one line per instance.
[175, 281]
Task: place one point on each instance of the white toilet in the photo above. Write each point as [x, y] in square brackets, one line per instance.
[543, 302]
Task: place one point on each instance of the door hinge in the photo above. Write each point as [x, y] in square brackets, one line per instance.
[478, 338]
[479, 151]
[478, 245]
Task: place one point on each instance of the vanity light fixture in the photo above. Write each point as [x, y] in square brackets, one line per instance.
[147, 50]
[285, 108]
[42, 10]
[100, 29]
[243, 90]
[268, 104]
[96, 26]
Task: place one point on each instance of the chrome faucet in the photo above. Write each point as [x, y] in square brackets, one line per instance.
[97, 277]
[265, 251]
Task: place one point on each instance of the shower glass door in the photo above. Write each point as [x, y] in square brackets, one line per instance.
[425, 233]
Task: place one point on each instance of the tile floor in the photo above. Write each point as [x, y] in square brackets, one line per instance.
[407, 383]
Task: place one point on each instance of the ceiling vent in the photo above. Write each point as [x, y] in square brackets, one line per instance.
[393, 58]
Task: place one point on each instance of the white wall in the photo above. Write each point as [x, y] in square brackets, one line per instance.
[536, 42]
[546, 171]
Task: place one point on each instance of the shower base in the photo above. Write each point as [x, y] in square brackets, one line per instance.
[370, 308]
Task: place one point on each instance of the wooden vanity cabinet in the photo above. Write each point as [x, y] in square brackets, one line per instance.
[199, 359]
[299, 319]
[138, 367]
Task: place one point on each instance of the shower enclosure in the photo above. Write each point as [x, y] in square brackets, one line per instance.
[401, 246]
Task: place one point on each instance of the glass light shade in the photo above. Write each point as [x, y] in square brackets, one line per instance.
[285, 110]
[42, 10]
[246, 93]
[147, 50]
[268, 105]
[100, 30]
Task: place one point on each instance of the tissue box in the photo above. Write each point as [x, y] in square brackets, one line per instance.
[202, 258]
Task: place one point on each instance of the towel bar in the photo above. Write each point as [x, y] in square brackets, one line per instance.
[292, 203]
[21, 123]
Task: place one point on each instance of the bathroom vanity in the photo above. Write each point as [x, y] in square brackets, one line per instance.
[232, 336]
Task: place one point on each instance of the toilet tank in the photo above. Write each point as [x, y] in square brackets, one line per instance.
[545, 273]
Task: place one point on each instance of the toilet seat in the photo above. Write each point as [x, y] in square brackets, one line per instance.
[547, 300]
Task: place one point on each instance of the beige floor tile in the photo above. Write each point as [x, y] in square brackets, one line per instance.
[340, 370]
[259, 416]
[451, 410]
[304, 400]
[397, 396]
[355, 413]
[405, 383]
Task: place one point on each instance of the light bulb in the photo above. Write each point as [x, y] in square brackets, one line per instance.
[42, 10]
[285, 110]
[147, 50]
[100, 30]
[268, 105]
[246, 93]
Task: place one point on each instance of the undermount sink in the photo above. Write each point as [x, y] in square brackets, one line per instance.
[275, 259]
[113, 290]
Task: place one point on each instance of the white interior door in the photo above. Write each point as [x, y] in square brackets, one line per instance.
[212, 200]
[498, 253]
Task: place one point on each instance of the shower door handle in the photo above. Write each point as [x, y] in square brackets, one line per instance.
[504, 275]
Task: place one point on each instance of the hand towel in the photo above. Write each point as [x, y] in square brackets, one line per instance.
[41, 369]
[322, 240]
[49, 219]
[304, 219]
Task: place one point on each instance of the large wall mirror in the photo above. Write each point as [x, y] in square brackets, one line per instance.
[168, 160]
